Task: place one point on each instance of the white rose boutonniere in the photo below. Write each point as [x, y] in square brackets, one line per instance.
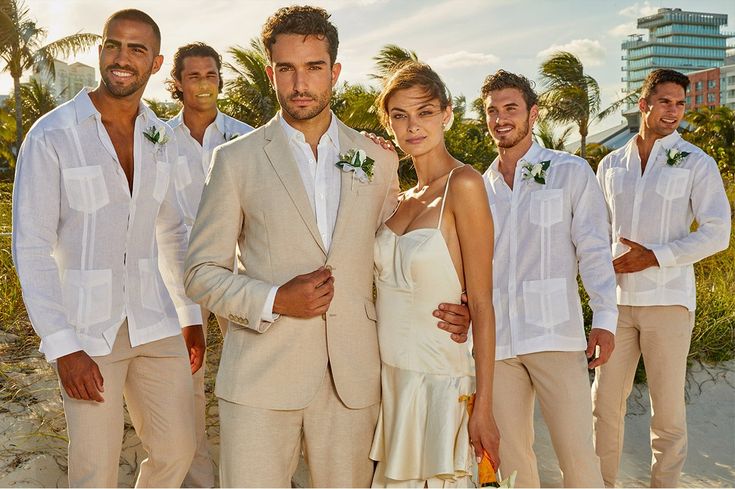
[674, 157]
[535, 171]
[358, 162]
[157, 137]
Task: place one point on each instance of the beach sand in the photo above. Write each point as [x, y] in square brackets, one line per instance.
[33, 444]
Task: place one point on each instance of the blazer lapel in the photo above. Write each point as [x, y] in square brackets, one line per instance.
[279, 153]
[347, 193]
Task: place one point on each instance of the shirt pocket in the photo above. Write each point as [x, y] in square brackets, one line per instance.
[545, 302]
[85, 188]
[163, 175]
[672, 183]
[87, 296]
[150, 284]
[547, 207]
[182, 174]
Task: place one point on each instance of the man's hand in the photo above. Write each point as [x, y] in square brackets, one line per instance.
[195, 345]
[305, 296]
[455, 319]
[605, 340]
[637, 258]
[380, 141]
[81, 377]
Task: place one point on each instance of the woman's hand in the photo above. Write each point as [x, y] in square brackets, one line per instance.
[484, 435]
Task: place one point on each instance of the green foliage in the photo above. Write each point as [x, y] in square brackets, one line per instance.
[249, 97]
[7, 138]
[163, 110]
[354, 105]
[36, 100]
[546, 137]
[595, 153]
[713, 130]
[389, 59]
[13, 317]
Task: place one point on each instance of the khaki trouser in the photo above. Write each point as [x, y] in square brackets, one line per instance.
[261, 447]
[662, 334]
[201, 472]
[561, 381]
[155, 381]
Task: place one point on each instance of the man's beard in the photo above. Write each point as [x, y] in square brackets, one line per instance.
[139, 81]
[522, 133]
[307, 113]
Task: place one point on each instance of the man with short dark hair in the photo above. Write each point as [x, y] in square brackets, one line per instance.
[196, 81]
[655, 187]
[550, 226]
[93, 215]
[300, 364]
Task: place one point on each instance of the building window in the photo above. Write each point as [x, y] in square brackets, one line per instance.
[711, 98]
[699, 86]
[689, 100]
[711, 83]
[698, 100]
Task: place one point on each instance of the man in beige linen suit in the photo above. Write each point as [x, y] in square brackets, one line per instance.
[300, 366]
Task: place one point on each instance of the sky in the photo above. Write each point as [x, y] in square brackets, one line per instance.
[463, 40]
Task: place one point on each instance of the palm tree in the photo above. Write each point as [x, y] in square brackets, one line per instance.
[21, 48]
[713, 130]
[7, 138]
[571, 96]
[544, 134]
[249, 97]
[354, 104]
[389, 59]
[163, 110]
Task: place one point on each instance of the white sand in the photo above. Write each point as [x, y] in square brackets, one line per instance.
[33, 449]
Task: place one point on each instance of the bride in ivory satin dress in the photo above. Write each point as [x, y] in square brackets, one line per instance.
[437, 243]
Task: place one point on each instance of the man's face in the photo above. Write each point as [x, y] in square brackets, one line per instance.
[508, 119]
[199, 83]
[302, 75]
[128, 57]
[663, 110]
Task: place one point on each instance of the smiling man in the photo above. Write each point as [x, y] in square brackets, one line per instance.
[550, 226]
[93, 214]
[656, 186]
[196, 81]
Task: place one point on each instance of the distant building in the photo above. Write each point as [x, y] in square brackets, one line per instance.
[678, 40]
[704, 89]
[727, 84]
[69, 79]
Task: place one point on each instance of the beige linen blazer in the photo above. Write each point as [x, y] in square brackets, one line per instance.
[255, 197]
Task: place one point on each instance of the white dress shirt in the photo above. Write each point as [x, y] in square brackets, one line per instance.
[544, 235]
[86, 250]
[656, 208]
[194, 159]
[322, 181]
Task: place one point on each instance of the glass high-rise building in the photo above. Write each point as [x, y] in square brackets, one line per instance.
[678, 40]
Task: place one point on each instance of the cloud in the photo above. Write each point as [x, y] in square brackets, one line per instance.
[639, 10]
[589, 51]
[462, 59]
[623, 30]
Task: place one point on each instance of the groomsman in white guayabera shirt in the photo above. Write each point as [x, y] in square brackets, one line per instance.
[92, 209]
[656, 186]
[196, 81]
[550, 224]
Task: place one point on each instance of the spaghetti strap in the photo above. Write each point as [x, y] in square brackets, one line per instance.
[444, 197]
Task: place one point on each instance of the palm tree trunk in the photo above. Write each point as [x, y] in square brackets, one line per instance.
[583, 147]
[18, 115]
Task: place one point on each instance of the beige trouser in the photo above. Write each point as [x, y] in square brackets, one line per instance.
[155, 381]
[561, 381]
[261, 447]
[201, 472]
[662, 334]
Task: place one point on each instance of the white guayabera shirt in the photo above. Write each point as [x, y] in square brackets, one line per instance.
[656, 208]
[192, 165]
[86, 251]
[544, 235]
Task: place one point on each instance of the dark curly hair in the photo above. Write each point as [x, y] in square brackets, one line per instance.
[503, 79]
[657, 77]
[198, 49]
[303, 20]
[413, 74]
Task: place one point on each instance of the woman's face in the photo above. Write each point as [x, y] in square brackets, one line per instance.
[417, 122]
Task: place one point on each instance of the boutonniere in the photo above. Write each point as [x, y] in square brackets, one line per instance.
[230, 137]
[674, 157]
[358, 162]
[535, 171]
[158, 138]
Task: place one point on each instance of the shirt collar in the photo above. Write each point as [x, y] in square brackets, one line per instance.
[177, 120]
[331, 135]
[533, 154]
[85, 108]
